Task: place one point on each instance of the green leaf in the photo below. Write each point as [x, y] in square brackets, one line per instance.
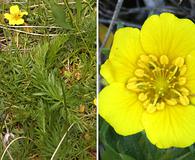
[103, 30]
[126, 157]
[54, 47]
[171, 153]
[79, 8]
[59, 15]
[109, 154]
[106, 51]
[187, 156]
[40, 54]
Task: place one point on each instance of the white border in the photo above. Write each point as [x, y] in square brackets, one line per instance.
[97, 78]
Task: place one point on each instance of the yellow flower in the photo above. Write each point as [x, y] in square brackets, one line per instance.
[151, 76]
[15, 16]
[95, 101]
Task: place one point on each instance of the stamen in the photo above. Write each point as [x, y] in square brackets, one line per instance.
[184, 100]
[175, 70]
[136, 86]
[185, 91]
[156, 99]
[134, 79]
[139, 72]
[183, 70]
[141, 64]
[179, 62]
[132, 86]
[144, 58]
[176, 92]
[142, 97]
[171, 101]
[171, 74]
[153, 64]
[164, 59]
[160, 82]
[151, 108]
[182, 81]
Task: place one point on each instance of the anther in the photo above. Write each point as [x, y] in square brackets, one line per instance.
[142, 97]
[141, 64]
[171, 101]
[164, 60]
[182, 80]
[185, 91]
[183, 70]
[139, 72]
[131, 86]
[144, 58]
[151, 108]
[184, 100]
[134, 79]
[136, 86]
[179, 62]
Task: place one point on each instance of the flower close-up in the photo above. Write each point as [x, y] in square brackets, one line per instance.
[15, 15]
[151, 81]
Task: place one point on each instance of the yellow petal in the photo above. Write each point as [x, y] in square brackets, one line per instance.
[12, 21]
[19, 21]
[121, 109]
[7, 16]
[123, 55]
[169, 35]
[190, 73]
[23, 13]
[14, 9]
[172, 127]
[114, 71]
[126, 45]
[107, 71]
[16, 22]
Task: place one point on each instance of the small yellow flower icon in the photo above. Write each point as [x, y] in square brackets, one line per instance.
[15, 16]
[151, 76]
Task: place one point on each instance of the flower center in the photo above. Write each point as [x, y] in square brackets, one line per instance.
[17, 16]
[159, 81]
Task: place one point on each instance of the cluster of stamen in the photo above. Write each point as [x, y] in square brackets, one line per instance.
[160, 81]
[17, 16]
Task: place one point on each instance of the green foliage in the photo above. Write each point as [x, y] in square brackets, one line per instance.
[78, 8]
[59, 14]
[43, 81]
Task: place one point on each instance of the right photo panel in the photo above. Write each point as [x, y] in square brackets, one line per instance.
[146, 83]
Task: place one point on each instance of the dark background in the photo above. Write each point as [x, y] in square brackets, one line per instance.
[134, 12]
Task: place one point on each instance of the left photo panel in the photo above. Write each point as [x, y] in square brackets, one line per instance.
[47, 80]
